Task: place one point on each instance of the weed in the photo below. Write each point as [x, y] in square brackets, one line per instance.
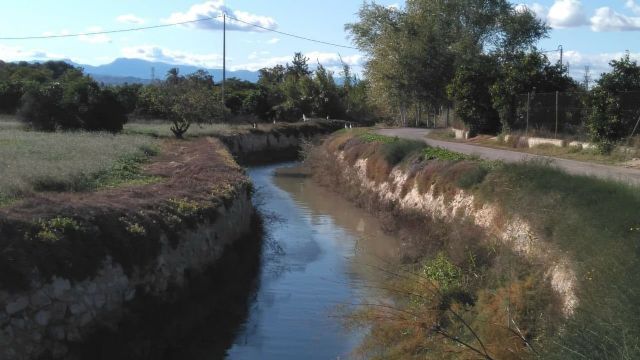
[433, 153]
[52, 230]
[133, 227]
[372, 137]
[442, 271]
[185, 207]
[396, 151]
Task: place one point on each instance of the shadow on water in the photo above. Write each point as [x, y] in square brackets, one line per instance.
[198, 321]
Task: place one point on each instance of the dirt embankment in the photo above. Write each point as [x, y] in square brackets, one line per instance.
[423, 194]
[280, 143]
[70, 261]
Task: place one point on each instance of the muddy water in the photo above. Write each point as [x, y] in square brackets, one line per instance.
[319, 258]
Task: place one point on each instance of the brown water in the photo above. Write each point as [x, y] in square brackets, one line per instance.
[319, 257]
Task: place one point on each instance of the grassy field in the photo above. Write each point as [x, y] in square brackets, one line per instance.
[34, 161]
[162, 129]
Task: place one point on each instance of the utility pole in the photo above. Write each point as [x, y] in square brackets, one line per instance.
[561, 53]
[528, 108]
[587, 77]
[224, 60]
[556, 133]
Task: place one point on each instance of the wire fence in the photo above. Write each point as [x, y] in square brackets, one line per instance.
[565, 114]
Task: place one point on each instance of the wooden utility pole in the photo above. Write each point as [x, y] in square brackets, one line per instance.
[528, 108]
[557, 93]
[224, 60]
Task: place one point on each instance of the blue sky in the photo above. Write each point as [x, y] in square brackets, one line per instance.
[591, 31]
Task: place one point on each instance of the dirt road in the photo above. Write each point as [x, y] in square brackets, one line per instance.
[626, 175]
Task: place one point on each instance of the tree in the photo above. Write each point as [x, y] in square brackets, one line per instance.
[469, 91]
[521, 73]
[186, 100]
[414, 54]
[614, 114]
[326, 98]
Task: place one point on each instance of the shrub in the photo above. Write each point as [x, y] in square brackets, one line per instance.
[395, 151]
[473, 176]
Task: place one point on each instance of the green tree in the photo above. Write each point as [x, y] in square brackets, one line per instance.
[469, 91]
[614, 114]
[414, 53]
[187, 100]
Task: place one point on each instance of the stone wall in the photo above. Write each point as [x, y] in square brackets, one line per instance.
[49, 315]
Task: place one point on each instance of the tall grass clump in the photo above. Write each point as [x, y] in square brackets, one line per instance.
[69, 161]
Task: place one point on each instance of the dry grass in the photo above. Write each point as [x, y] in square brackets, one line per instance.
[36, 161]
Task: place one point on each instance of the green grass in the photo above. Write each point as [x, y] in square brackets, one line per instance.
[9, 122]
[35, 161]
[593, 222]
[432, 153]
[162, 129]
[371, 137]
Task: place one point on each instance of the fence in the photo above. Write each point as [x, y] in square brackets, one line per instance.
[565, 114]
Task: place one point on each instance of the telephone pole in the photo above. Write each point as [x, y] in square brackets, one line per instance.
[224, 60]
[587, 77]
[561, 53]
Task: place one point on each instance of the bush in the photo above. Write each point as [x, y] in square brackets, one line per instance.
[63, 98]
[613, 112]
[394, 152]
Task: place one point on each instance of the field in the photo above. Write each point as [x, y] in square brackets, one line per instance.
[162, 129]
[35, 161]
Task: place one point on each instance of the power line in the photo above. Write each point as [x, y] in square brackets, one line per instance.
[93, 33]
[108, 31]
[293, 35]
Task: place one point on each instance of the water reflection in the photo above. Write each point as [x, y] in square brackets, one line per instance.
[318, 269]
[272, 299]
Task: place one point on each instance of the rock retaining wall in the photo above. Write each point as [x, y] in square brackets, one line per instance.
[49, 315]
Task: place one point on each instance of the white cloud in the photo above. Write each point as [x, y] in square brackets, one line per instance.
[156, 53]
[95, 39]
[566, 14]
[215, 9]
[607, 19]
[130, 19]
[635, 7]
[394, 6]
[273, 41]
[329, 60]
[598, 63]
[16, 53]
[538, 10]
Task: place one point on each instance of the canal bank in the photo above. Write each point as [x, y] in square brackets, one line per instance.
[500, 260]
[77, 264]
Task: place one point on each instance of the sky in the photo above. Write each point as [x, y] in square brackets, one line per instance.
[592, 32]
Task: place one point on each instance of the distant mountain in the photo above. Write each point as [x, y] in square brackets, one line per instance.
[119, 80]
[139, 71]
